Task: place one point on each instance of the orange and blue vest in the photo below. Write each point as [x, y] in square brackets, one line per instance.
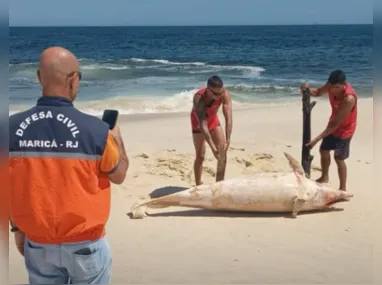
[59, 161]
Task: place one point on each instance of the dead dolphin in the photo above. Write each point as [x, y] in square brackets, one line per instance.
[261, 192]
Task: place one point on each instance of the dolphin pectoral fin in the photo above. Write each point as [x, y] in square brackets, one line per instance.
[297, 206]
[301, 198]
[302, 195]
[294, 164]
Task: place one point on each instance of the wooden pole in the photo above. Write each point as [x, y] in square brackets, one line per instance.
[306, 157]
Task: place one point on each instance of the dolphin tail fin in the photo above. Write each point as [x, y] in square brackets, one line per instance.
[138, 210]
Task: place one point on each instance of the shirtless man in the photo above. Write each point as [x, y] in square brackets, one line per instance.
[341, 126]
[206, 125]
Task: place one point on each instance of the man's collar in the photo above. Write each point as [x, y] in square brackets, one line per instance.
[54, 101]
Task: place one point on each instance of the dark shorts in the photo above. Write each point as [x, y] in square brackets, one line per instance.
[340, 146]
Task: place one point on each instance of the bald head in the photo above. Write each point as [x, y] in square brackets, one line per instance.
[55, 65]
[58, 70]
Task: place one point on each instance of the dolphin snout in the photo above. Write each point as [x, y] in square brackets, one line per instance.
[345, 195]
[339, 197]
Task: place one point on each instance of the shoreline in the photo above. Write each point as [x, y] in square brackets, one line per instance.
[175, 114]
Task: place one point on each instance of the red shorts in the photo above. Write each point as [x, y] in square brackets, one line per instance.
[212, 123]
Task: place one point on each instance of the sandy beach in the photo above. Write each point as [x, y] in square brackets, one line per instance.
[180, 245]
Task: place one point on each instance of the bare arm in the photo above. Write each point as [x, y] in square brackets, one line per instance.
[19, 237]
[201, 115]
[114, 161]
[227, 112]
[317, 92]
[343, 111]
[119, 176]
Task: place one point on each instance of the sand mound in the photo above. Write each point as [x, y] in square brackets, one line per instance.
[170, 163]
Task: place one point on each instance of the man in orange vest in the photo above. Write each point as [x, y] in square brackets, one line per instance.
[61, 163]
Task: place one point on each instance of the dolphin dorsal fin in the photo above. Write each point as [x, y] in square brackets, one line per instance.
[294, 164]
[302, 185]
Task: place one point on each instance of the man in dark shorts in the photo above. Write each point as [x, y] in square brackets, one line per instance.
[341, 127]
[205, 122]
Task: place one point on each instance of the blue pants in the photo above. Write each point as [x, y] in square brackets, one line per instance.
[74, 263]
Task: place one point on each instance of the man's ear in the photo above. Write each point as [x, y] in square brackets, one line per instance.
[71, 83]
[39, 76]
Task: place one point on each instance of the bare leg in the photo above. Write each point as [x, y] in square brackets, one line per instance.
[200, 151]
[325, 163]
[342, 173]
[218, 138]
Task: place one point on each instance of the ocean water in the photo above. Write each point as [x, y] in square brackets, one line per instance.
[158, 69]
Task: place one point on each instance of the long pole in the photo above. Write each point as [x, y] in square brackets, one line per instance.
[307, 106]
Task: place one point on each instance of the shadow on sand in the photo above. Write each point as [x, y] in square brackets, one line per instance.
[168, 190]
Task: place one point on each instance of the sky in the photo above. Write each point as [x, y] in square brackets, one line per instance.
[188, 12]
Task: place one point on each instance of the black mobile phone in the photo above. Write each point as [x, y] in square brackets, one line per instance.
[110, 117]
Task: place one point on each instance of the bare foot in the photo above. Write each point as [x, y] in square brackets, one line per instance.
[322, 180]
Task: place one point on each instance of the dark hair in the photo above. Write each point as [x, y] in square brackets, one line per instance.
[215, 82]
[337, 77]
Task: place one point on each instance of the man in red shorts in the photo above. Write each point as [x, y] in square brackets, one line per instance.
[205, 122]
[341, 126]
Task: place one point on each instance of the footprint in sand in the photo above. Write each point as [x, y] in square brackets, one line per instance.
[317, 168]
[168, 163]
[253, 158]
[263, 156]
[258, 162]
[235, 148]
[142, 155]
[176, 165]
[209, 170]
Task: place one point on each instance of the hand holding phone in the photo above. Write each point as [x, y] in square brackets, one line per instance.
[110, 117]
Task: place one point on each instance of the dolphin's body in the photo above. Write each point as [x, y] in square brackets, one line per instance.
[262, 192]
